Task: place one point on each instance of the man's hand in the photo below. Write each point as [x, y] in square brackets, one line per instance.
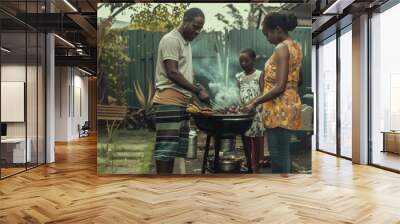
[203, 94]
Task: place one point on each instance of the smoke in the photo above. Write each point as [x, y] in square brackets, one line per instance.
[224, 92]
[213, 71]
[225, 95]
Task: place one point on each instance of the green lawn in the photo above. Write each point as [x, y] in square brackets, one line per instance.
[130, 152]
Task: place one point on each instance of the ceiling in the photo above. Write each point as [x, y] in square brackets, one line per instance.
[76, 22]
[72, 20]
[330, 15]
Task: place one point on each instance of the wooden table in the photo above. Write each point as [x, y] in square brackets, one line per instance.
[13, 150]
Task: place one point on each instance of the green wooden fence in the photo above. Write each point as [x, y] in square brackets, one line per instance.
[211, 51]
[142, 51]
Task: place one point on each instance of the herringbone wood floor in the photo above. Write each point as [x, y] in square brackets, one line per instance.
[70, 191]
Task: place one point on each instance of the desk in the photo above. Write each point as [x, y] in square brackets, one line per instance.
[391, 141]
[15, 148]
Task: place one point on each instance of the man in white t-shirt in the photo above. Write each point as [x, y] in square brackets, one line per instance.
[174, 89]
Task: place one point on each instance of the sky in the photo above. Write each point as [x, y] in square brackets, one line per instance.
[209, 10]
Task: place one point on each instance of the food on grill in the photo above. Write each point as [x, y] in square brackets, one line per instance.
[232, 110]
[207, 113]
[193, 109]
[206, 109]
[196, 109]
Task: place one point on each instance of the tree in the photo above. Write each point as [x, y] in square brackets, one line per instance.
[104, 45]
[253, 16]
[113, 65]
[115, 8]
[112, 56]
[238, 21]
[157, 17]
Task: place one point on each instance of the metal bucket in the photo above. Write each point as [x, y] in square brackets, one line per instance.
[192, 148]
[227, 145]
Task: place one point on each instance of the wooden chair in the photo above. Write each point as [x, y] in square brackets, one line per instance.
[113, 115]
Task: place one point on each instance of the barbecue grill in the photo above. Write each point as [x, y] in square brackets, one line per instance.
[223, 126]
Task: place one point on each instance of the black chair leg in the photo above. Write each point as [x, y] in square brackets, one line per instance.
[205, 157]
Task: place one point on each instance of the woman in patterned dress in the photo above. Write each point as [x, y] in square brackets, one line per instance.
[249, 88]
[280, 98]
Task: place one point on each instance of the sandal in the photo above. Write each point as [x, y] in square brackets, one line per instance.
[265, 162]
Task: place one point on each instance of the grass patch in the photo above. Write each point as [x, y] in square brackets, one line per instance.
[129, 143]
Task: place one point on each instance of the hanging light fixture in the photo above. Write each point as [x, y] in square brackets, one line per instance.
[70, 5]
[5, 50]
[337, 7]
[84, 71]
[65, 41]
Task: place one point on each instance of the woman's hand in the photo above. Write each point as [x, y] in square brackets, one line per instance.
[249, 107]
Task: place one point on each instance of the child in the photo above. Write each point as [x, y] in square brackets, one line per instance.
[249, 88]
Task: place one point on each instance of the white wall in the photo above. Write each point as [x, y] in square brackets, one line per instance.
[13, 101]
[14, 73]
[62, 81]
[80, 100]
[71, 94]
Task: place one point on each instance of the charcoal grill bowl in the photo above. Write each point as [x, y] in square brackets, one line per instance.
[224, 125]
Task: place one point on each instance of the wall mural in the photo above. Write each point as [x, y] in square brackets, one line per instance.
[204, 92]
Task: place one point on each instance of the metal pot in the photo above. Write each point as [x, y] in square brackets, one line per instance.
[192, 148]
[229, 165]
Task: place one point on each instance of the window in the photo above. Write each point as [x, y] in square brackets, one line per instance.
[327, 96]
[22, 75]
[314, 90]
[346, 93]
[385, 85]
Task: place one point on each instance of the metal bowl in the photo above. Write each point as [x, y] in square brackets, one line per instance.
[226, 165]
[223, 124]
[230, 165]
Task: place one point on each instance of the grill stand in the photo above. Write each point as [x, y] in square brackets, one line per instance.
[217, 148]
